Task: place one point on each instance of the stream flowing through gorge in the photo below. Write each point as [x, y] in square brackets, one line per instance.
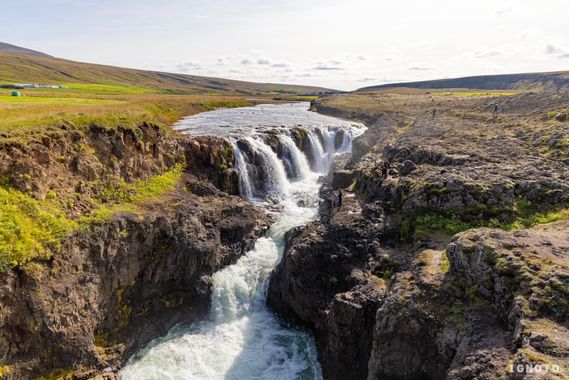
[281, 151]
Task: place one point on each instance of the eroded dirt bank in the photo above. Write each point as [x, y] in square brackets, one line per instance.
[391, 290]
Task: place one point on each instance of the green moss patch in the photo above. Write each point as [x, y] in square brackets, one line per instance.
[29, 228]
[34, 229]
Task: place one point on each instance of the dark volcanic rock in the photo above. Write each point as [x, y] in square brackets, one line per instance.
[118, 285]
[324, 281]
[484, 304]
[342, 179]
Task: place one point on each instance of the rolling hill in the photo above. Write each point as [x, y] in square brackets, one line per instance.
[20, 65]
[531, 81]
[8, 48]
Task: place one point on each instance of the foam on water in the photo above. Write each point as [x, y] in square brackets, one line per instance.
[242, 338]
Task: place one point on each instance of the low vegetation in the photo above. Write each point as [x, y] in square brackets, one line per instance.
[29, 228]
[34, 116]
[33, 229]
[525, 215]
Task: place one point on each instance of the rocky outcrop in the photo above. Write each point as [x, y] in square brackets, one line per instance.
[484, 304]
[88, 159]
[327, 280]
[117, 283]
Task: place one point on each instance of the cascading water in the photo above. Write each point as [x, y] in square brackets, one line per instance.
[321, 164]
[271, 172]
[245, 188]
[243, 339]
[298, 161]
[329, 139]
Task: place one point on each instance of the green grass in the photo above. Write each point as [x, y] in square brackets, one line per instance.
[530, 215]
[108, 88]
[15, 68]
[33, 229]
[447, 224]
[29, 228]
[456, 316]
[127, 198]
[32, 118]
[525, 213]
[445, 262]
[49, 100]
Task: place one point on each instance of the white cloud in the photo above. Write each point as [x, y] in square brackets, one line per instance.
[421, 68]
[487, 54]
[552, 49]
[411, 39]
[327, 68]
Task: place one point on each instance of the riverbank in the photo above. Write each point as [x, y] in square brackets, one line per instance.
[385, 284]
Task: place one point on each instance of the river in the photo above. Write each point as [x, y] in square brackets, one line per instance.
[281, 152]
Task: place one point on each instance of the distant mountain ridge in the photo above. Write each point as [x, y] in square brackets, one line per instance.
[528, 81]
[8, 48]
[21, 65]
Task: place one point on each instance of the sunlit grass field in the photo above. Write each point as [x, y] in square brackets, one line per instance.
[42, 111]
[23, 100]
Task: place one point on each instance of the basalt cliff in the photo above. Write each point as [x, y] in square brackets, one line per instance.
[454, 266]
[132, 265]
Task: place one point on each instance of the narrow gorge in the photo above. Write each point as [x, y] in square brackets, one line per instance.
[237, 266]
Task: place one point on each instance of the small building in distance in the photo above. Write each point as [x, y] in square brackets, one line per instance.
[16, 93]
[35, 85]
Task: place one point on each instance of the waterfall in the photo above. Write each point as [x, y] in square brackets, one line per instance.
[320, 159]
[298, 159]
[329, 140]
[268, 170]
[242, 338]
[273, 168]
[245, 188]
[346, 146]
[260, 171]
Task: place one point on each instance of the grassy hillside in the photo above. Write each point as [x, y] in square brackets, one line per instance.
[532, 81]
[113, 96]
[21, 66]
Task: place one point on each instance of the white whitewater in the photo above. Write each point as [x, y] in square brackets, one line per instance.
[276, 179]
[298, 159]
[321, 162]
[242, 339]
[245, 188]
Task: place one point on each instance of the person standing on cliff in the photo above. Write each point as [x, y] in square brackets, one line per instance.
[340, 198]
[495, 111]
[336, 200]
[434, 113]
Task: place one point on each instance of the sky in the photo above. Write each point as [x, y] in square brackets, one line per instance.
[336, 44]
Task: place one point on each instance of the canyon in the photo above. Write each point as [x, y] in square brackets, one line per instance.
[453, 267]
